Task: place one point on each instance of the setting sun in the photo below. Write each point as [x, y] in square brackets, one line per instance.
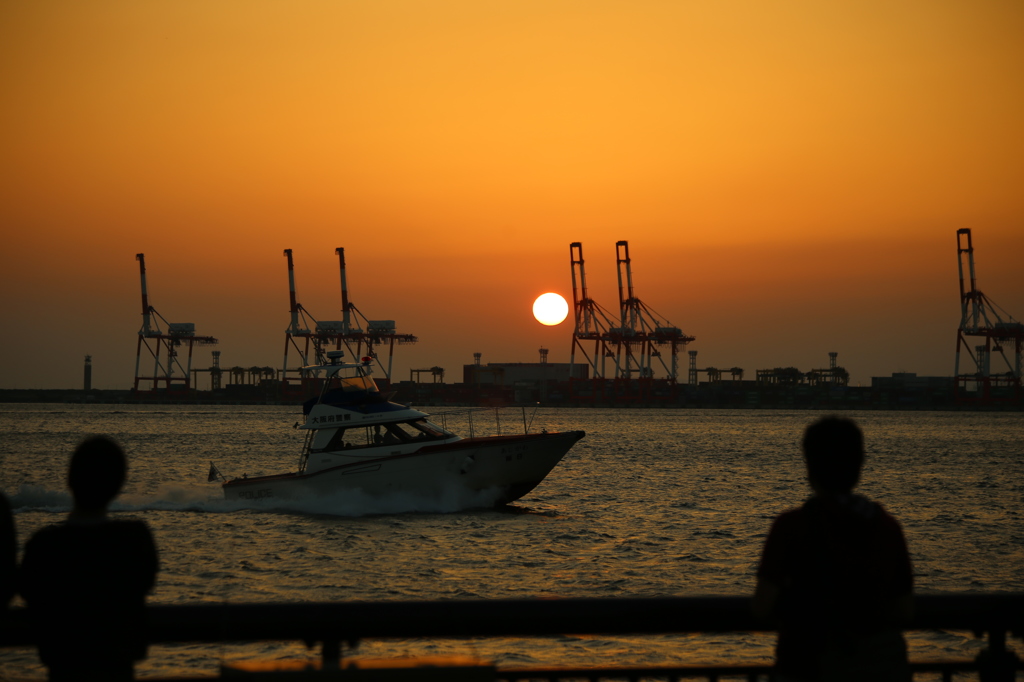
[550, 309]
[761, 159]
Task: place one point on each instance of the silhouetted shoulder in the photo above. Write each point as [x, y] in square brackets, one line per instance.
[786, 530]
[8, 553]
[74, 561]
[96, 573]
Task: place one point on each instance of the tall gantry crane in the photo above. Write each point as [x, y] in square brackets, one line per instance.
[310, 337]
[376, 333]
[308, 343]
[985, 334]
[641, 331]
[632, 342]
[164, 347]
[591, 322]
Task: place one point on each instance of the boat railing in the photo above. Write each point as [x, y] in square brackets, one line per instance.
[467, 420]
[997, 616]
[307, 445]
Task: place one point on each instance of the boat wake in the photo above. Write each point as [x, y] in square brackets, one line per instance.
[207, 499]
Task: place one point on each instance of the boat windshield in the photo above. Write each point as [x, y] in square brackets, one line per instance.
[417, 431]
[359, 383]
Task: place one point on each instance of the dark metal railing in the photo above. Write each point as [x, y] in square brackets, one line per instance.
[997, 616]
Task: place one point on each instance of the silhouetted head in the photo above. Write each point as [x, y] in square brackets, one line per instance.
[834, 452]
[96, 473]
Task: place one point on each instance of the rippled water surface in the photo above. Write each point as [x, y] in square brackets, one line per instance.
[651, 503]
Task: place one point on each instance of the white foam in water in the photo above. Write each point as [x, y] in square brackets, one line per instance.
[40, 499]
[199, 498]
[358, 503]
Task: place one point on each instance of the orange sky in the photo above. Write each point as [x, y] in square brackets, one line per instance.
[789, 175]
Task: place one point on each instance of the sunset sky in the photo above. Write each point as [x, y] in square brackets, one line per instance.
[789, 175]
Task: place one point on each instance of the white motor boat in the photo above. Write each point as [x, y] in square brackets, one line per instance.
[357, 440]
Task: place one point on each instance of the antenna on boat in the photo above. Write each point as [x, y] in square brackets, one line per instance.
[532, 415]
[215, 474]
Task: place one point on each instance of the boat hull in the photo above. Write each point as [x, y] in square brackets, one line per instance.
[506, 467]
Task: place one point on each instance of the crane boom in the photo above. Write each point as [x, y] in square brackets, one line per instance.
[346, 315]
[147, 329]
[294, 305]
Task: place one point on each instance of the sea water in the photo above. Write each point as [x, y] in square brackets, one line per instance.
[650, 503]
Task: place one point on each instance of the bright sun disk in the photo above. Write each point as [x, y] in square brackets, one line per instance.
[550, 309]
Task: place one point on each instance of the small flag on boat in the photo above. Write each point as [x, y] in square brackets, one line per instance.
[214, 473]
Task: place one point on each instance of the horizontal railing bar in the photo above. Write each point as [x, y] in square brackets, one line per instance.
[689, 671]
[354, 620]
[658, 672]
[634, 674]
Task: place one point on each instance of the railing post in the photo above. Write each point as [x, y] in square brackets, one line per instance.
[996, 664]
[330, 654]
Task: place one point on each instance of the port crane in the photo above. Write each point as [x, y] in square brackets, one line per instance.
[376, 333]
[591, 322]
[641, 331]
[633, 341]
[986, 333]
[304, 335]
[164, 345]
[311, 338]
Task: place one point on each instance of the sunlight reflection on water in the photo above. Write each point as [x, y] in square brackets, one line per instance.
[650, 503]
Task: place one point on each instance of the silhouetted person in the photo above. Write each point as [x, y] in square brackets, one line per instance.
[835, 573]
[85, 581]
[8, 554]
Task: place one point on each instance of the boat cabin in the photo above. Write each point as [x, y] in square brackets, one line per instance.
[368, 436]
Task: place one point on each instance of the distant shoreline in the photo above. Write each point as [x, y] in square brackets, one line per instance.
[704, 397]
